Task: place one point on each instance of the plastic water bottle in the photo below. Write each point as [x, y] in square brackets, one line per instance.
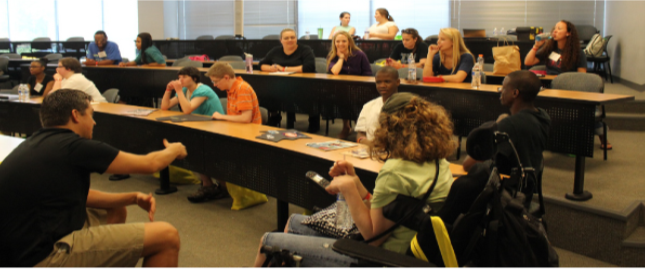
[480, 61]
[249, 63]
[476, 76]
[495, 31]
[502, 31]
[307, 35]
[20, 93]
[26, 93]
[343, 216]
[412, 68]
[541, 37]
[366, 35]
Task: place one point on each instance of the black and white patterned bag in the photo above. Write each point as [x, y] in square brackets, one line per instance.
[324, 222]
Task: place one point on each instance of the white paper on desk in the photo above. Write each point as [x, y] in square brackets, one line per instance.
[139, 112]
[282, 73]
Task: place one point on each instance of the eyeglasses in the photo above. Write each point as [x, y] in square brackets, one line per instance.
[215, 82]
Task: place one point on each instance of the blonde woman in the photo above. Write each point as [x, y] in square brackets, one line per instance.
[346, 58]
[451, 60]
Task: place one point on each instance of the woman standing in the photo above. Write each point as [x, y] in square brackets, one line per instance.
[384, 28]
[147, 53]
[344, 26]
[345, 58]
[291, 57]
[451, 60]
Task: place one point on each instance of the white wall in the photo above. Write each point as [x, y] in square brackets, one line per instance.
[625, 22]
[151, 18]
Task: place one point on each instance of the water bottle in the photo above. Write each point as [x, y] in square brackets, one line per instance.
[366, 35]
[249, 63]
[541, 37]
[307, 35]
[480, 61]
[495, 31]
[26, 93]
[412, 68]
[476, 76]
[502, 31]
[343, 216]
[20, 93]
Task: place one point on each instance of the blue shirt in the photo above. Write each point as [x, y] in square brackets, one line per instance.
[111, 50]
[153, 55]
[466, 63]
[212, 103]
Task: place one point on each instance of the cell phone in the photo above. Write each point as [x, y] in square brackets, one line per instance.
[318, 179]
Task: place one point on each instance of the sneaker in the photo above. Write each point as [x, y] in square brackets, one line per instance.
[207, 193]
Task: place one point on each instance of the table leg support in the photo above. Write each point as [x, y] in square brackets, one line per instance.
[164, 181]
[283, 215]
[579, 194]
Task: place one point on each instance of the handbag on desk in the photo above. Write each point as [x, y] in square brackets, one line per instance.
[507, 58]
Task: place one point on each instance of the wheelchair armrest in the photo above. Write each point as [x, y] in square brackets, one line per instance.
[376, 255]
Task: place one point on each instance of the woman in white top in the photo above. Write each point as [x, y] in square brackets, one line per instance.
[385, 28]
[344, 25]
[68, 76]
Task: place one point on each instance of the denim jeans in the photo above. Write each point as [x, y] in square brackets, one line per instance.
[314, 249]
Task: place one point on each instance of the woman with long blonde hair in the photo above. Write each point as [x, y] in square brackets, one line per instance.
[451, 60]
[346, 58]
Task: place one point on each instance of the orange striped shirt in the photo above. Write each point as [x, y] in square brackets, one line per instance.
[241, 97]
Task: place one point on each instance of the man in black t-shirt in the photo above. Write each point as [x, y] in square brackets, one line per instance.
[51, 217]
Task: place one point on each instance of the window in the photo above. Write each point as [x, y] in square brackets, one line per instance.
[262, 18]
[425, 16]
[511, 14]
[198, 18]
[29, 19]
[325, 14]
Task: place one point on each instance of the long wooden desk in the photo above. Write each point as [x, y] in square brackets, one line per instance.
[223, 150]
[492, 78]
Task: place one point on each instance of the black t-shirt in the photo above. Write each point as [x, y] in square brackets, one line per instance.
[44, 184]
[555, 68]
[528, 130]
[400, 52]
[303, 55]
[32, 83]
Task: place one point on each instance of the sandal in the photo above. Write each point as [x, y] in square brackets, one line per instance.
[609, 147]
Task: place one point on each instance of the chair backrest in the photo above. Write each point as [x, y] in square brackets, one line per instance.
[190, 63]
[488, 67]
[4, 39]
[224, 102]
[204, 37]
[311, 37]
[321, 67]
[112, 95]
[582, 82]
[432, 39]
[607, 38]
[12, 55]
[403, 73]
[231, 58]
[42, 39]
[586, 32]
[238, 64]
[483, 77]
[375, 68]
[41, 43]
[507, 37]
[76, 39]
[538, 68]
[54, 56]
[265, 115]
[276, 37]
[224, 37]
[4, 65]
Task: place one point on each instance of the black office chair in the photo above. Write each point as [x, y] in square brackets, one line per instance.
[74, 44]
[41, 43]
[5, 44]
[204, 37]
[224, 37]
[276, 37]
[311, 37]
[4, 69]
[231, 58]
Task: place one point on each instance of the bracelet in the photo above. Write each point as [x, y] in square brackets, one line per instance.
[368, 196]
[535, 49]
[284, 69]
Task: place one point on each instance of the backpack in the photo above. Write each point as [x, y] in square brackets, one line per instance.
[596, 46]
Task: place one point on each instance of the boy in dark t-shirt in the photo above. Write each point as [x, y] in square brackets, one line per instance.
[51, 217]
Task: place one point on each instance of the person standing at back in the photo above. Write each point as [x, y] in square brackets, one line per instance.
[344, 25]
[102, 51]
[384, 28]
[68, 75]
[147, 53]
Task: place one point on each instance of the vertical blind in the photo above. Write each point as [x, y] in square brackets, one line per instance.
[263, 17]
[197, 18]
[489, 15]
[315, 14]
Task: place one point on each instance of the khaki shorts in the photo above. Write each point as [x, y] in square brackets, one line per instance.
[97, 245]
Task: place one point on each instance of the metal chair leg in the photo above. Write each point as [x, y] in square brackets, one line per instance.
[459, 148]
[604, 138]
[611, 78]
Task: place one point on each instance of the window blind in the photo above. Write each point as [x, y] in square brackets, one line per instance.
[263, 18]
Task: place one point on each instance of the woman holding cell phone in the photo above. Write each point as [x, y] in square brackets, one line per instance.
[416, 135]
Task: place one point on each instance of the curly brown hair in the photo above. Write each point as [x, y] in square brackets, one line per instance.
[420, 132]
[571, 51]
